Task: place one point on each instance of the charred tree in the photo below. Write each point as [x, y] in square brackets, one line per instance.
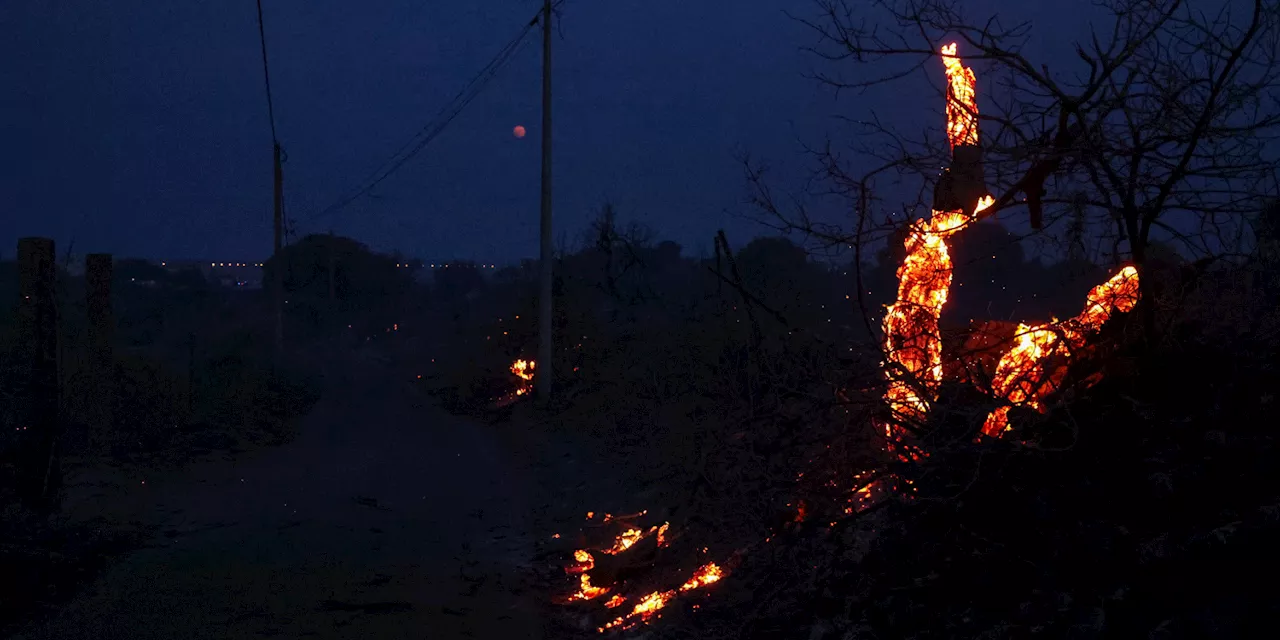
[962, 184]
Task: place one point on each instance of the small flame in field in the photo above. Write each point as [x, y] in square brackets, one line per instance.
[650, 604]
[523, 369]
[584, 562]
[586, 591]
[704, 576]
[625, 540]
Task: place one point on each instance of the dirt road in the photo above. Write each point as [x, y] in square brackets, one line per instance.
[387, 518]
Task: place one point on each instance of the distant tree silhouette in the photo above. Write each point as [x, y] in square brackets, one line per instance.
[137, 270]
[1266, 232]
[457, 281]
[780, 273]
[366, 285]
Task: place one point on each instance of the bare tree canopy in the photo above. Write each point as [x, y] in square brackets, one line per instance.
[1162, 127]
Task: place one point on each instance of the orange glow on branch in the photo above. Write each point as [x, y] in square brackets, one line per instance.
[1023, 377]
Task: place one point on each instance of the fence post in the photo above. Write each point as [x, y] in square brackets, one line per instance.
[40, 474]
[97, 277]
[191, 375]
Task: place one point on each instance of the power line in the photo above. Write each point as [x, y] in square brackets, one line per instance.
[278, 192]
[266, 74]
[434, 128]
[489, 71]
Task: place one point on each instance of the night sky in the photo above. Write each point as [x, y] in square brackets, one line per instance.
[140, 128]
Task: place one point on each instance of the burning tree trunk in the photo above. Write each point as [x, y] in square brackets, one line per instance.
[913, 345]
[962, 185]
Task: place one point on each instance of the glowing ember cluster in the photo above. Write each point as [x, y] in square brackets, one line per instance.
[649, 606]
[645, 607]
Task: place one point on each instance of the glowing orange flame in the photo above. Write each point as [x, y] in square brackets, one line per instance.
[913, 345]
[642, 612]
[588, 592]
[625, 540]
[584, 562]
[1022, 377]
[962, 100]
[705, 575]
[523, 369]
[650, 604]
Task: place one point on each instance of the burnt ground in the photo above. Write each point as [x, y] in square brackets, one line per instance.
[385, 518]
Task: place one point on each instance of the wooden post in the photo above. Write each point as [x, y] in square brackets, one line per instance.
[39, 475]
[97, 279]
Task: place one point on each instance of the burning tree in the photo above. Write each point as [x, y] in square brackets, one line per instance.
[1027, 373]
[1079, 164]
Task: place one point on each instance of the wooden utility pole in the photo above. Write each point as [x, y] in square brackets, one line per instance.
[332, 297]
[97, 278]
[277, 280]
[38, 343]
[543, 377]
[277, 283]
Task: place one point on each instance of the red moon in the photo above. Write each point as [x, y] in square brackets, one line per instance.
[519, 131]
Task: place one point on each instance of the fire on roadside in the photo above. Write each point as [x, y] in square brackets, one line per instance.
[913, 366]
[523, 369]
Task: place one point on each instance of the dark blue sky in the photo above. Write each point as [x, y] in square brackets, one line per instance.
[140, 128]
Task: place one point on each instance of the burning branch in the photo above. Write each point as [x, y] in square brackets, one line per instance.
[1023, 376]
